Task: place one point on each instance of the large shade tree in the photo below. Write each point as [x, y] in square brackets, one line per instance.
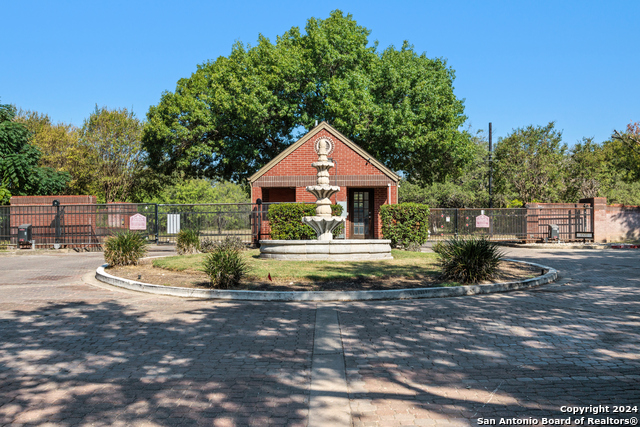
[529, 164]
[236, 113]
[112, 139]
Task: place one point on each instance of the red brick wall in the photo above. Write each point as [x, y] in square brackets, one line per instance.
[40, 213]
[348, 163]
[622, 223]
[299, 162]
[48, 200]
[615, 223]
[612, 223]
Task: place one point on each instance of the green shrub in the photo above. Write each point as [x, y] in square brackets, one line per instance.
[188, 241]
[286, 221]
[231, 242]
[124, 248]
[225, 267]
[468, 260]
[405, 223]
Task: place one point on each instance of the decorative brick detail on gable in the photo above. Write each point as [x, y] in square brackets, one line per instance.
[354, 169]
[349, 163]
[340, 180]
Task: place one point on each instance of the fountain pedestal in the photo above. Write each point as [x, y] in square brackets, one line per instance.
[323, 226]
[323, 223]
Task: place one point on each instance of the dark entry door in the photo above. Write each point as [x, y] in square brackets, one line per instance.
[360, 209]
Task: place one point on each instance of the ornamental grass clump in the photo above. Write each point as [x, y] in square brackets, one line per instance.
[188, 242]
[124, 248]
[469, 260]
[225, 267]
[232, 242]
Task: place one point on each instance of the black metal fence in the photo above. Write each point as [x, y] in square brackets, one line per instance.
[531, 224]
[91, 224]
[571, 222]
[5, 226]
[76, 225]
[215, 221]
[503, 224]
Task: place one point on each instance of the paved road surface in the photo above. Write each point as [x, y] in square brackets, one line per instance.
[73, 352]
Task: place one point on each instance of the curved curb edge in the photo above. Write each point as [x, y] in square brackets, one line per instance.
[393, 294]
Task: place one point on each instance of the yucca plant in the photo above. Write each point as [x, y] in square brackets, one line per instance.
[188, 242]
[469, 260]
[124, 248]
[225, 267]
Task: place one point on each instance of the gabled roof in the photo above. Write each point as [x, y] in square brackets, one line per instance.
[324, 126]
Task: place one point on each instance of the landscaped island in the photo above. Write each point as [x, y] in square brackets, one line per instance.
[406, 270]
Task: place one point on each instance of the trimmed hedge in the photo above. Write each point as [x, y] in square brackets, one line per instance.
[405, 224]
[286, 221]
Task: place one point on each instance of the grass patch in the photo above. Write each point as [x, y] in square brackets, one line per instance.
[412, 265]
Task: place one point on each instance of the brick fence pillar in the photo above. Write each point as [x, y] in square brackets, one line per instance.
[599, 218]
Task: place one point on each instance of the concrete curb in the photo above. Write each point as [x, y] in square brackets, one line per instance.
[550, 275]
[557, 246]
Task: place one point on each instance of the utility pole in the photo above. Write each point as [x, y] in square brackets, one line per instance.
[490, 168]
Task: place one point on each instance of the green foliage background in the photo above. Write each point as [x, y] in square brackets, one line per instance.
[532, 164]
[191, 191]
[20, 174]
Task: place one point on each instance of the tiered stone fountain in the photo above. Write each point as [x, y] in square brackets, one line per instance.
[325, 247]
[323, 223]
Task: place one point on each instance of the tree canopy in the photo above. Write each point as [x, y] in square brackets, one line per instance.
[20, 174]
[192, 191]
[530, 163]
[112, 140]
[628, 148]
[236, 113]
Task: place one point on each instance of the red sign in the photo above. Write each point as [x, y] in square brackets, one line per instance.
[138, 222]
[482, 221]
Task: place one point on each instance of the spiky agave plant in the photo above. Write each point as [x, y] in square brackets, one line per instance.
[469, 260]
[124, 248]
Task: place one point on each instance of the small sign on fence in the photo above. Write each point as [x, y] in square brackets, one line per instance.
[482, 221]
[584, 235]
[138, 222]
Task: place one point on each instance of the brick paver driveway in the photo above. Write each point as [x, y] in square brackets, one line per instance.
[73, 353]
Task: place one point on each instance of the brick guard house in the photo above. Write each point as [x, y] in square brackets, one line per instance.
[365, 183]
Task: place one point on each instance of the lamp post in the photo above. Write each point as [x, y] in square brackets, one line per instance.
[490, 168]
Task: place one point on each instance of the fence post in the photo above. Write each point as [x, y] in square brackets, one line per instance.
[157, 231]
[259, 202]
[57, 222]
[456, 224]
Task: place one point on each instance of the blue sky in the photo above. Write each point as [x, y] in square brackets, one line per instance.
[517, 62]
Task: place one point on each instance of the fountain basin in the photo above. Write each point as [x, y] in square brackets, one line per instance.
[326, 250]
